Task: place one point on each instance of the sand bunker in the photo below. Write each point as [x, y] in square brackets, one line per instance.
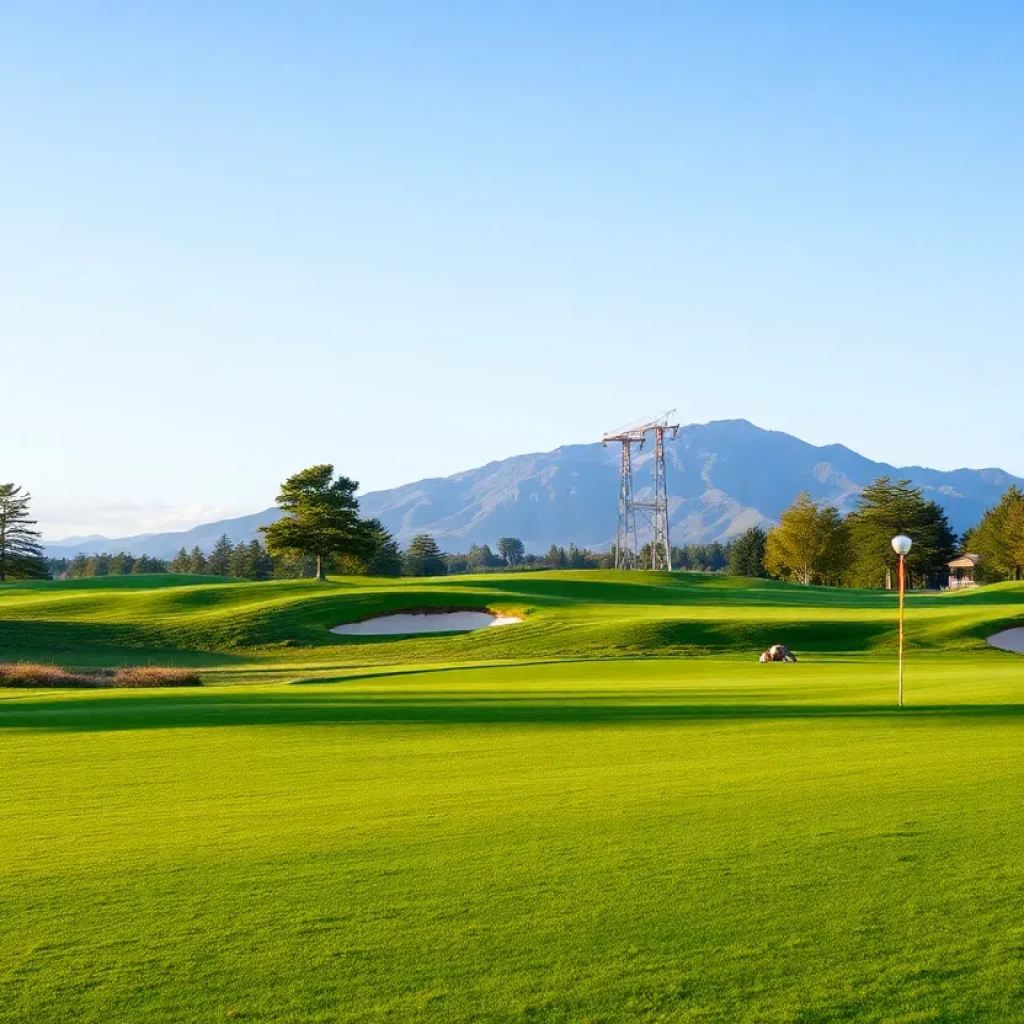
[405, 624]
[1009, 640]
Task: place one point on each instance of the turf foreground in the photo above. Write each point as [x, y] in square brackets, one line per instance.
[460, 828]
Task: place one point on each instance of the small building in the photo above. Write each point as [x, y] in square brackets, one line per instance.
[962, 572]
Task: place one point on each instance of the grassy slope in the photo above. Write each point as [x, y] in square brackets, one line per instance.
[696, 839]
[251, 628]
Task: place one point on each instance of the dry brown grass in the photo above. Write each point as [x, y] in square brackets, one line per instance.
[28, 675]
[150, 675]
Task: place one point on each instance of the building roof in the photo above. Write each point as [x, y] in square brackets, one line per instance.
[965, 562]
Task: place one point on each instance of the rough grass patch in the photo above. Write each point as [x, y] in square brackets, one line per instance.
[30, 675]
[149, 675]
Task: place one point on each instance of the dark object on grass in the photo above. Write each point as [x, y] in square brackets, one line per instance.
[26, 675]
[778, 652]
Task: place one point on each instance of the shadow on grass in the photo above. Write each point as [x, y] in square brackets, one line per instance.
[166, 711]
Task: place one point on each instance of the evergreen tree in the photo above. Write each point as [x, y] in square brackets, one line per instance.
[746, 554]
[21, 555]
[387, 556]
[481, 557]
[180, 562]
[556, 558]
[146, 564]
[96, 565]
[885, 509]
[57, 568]
[424, 557]
[999, 539]
[120, 564]
[294, 565]
[240, 564]
[196, 561]
[262, 565]
[219, 562]
[321, 518]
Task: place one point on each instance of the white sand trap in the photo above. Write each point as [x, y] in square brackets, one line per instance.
[404, 624]
[1009, 640]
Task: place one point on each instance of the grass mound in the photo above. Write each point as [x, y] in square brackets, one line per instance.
[30, 675]
[267, 632]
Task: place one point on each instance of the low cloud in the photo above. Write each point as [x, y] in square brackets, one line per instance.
[80, 517]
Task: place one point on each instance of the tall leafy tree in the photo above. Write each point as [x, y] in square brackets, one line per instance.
[886, 508]
[321, 518]
[424, 558]
[21, 554]
[511, 550]
[809, 545]
[262, 564]
[746, 553]
[999, 539]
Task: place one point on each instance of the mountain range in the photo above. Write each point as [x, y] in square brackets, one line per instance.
[723, 477]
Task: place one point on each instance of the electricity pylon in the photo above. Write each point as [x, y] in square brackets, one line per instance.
[656, 511]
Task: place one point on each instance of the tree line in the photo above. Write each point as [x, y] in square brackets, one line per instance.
[320, 531]
[119, 564]
[814, 544]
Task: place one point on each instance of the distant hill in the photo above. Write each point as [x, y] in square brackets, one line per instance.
[723, 477]
[165, 545]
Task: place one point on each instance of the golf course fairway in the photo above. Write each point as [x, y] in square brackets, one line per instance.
[609, 812]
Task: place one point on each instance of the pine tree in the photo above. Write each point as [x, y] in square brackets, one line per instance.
[424, 557]
[746, 554]
[999, 539]
[240, 564]
[387, 558]
[261, 561]
[145, 564]
[321, 518]
[21, 555]
[556, 557]
[180, 562]
[120, 564]
[219, 562]
[885, 509]
[97, 565]
[196, 561]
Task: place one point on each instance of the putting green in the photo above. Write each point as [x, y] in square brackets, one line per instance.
[415, 833]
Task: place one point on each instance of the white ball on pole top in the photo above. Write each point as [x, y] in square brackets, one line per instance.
[901, 544]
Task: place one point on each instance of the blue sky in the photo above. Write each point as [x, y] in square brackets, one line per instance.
[412, 238]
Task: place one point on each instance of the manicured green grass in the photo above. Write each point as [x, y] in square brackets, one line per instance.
[252, 630]
[593, 830]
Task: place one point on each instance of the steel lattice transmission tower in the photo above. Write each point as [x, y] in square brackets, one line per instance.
[655, 511]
